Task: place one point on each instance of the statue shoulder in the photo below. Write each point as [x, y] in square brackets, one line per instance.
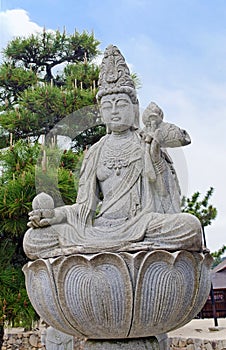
[92, 154]
[96, 147]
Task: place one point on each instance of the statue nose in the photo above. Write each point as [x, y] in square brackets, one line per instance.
[114, 109]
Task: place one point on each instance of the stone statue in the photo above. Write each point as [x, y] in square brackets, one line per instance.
[56, 340]
[123, 265]
[166, 134]
[128, 195]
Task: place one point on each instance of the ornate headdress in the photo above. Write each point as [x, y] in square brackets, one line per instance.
[115, 75]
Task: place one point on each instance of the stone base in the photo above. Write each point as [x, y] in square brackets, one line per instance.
[150, 343]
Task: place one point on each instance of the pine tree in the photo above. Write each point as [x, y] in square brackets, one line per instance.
[204, 211]
[18, 186]
[34, 98]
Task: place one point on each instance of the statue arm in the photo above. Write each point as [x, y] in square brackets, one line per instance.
[44, 213]
[160, 168]
[166, 185]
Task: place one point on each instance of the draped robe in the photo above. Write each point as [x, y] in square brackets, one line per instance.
[153, 219]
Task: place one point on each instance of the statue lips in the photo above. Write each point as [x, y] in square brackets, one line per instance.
[115, 119]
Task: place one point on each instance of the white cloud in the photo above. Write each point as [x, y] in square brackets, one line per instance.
[16, 23]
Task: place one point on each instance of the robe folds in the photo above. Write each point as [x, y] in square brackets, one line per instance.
[154, 220]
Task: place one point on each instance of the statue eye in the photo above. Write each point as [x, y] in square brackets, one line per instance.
[106, 105]
[122, 103]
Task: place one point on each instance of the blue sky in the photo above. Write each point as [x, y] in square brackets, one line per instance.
[178, 50]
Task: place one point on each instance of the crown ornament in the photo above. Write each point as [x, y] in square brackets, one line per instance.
[115, 75]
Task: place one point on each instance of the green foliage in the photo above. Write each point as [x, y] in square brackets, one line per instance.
[57, 174]
[33, 98]
[218, 255]
[204, 211]
[136, 80]
[89, 136]
[83, 75]
[15, 203]
[42, 108]
[17, 187]
[19, 158]
[15, 307]
[13, 81]
[21, 177]
[25, 169]
[43, 51]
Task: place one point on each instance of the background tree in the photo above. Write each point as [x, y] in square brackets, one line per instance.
[34, 97]
[218, 255]
[205, 212]
[18, 187]
[44, 78]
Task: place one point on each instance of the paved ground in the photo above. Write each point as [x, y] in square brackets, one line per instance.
[203, 329]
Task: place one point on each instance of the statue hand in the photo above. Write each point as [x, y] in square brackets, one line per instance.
[155, 151]
[45, 217]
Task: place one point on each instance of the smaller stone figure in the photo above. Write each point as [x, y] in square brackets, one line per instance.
[166, 134]
[56, 340]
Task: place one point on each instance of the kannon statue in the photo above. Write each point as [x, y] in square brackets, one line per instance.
[128, 197]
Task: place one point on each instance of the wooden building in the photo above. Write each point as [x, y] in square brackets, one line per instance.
[218, 277]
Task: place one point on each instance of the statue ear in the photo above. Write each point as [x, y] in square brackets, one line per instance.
[108, 130]
[101, 114]
[137, 115]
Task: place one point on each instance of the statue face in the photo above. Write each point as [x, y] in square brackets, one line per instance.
[117, 112]
[152, 119]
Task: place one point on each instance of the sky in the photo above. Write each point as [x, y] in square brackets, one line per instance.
[178, 50]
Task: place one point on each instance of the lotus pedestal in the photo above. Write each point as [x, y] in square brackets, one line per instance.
[119, 300]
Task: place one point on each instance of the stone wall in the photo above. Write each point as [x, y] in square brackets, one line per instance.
[22, 340]
[196, 344]
[32, 341]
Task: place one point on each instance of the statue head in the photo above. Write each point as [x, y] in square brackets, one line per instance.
[152, 113]
[115, 79]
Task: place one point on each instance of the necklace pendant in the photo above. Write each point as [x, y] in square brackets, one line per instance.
[118, 172]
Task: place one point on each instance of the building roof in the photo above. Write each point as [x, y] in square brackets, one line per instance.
[221, 266]
[218, 276]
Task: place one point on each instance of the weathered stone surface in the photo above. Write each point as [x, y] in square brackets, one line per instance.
[127, 176]
[33, 340]
[191, 347]
[92, 295]
[11, 340]
[123, 262]
[182, 343]
[54, 339]
[208, 346]
[138, 344]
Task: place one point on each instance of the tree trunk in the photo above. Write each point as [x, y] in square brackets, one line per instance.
[1, 335]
